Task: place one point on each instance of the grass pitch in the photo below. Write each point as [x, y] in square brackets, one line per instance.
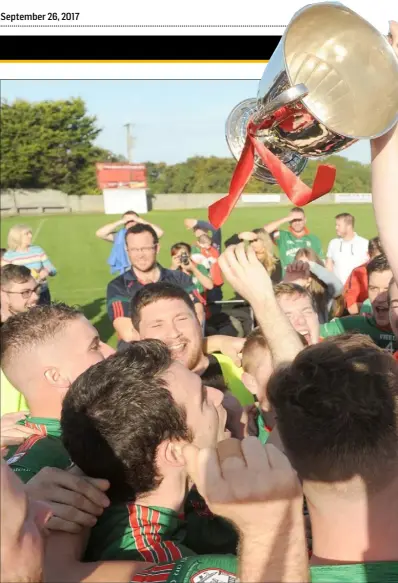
[81, 258]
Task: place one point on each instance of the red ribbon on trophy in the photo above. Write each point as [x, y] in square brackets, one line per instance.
[298, 192]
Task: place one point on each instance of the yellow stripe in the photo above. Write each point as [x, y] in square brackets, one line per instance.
[144, 61]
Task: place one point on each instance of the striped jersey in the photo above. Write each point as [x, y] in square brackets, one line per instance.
[224, 569]
[138, 533]
[157, 535]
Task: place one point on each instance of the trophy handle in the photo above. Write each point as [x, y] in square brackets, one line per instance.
[287, 97]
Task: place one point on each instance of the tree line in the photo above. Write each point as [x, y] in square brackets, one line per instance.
[51, 144]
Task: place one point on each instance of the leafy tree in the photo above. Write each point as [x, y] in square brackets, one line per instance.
[50, 144]
[205, 175]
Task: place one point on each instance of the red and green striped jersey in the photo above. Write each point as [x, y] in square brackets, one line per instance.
[38, 451]
[138, 533]
[364, 325]
[224, 569]
[156, 535]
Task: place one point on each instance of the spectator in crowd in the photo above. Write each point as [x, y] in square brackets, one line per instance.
[348, 250]
[19, 292]
[295, 238]
[207, 255]
[142, 247]
[297, 303]
[263, 246]
[204, 228]
[377, 324]
[356, 286]
[309, 271]
[182, 260]
[166, 312]
[22, 252]
[220, 318]
[118, 260]
[393, 309]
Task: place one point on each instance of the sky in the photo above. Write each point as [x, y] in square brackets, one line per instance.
[172, 120]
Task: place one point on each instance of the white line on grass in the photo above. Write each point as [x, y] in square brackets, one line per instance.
[38, 230]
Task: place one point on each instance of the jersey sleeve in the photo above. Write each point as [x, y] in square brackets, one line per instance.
[333, 328]
[279, 237]
[118, 304]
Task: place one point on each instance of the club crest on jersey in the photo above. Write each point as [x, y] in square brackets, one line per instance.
[16, 457]
[213, 576]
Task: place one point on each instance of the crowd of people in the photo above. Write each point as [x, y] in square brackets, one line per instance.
[251, 441]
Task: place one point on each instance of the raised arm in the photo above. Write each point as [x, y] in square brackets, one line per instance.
[384, 152]
[156, 228]
[248, 277]
[107, 232]
[274, 225]
[334, 285]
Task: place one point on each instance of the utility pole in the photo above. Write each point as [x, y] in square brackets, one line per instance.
[130, 142]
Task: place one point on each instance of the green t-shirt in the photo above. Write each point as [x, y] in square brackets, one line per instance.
[289, 244]
[38, 451]
[364, 325]
[224, 569]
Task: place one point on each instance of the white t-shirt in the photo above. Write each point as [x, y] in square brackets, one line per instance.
[347, 255]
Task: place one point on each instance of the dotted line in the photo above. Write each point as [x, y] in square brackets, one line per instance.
[142, 25]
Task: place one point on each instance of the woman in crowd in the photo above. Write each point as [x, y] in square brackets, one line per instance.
[309, 271]
[21, 252]
[263, 247]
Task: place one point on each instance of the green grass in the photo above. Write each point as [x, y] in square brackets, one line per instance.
[80, 257]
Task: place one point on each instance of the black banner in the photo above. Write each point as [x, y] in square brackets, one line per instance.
[131, 48]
